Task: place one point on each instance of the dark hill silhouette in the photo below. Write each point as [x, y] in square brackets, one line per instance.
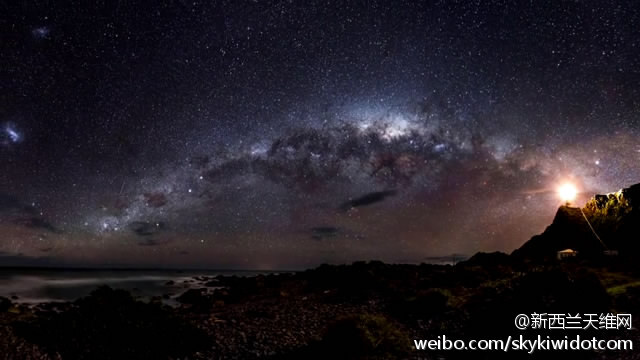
[615, 217]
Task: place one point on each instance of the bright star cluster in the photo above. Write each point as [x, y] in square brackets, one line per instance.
[11, 135]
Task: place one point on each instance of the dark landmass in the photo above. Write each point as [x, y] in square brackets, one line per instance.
[615, 219]
[366, 310]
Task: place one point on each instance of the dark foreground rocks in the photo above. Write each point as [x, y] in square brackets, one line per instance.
[360, 311]
[110, 324]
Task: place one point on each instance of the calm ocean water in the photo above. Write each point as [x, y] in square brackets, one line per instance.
[37, 286]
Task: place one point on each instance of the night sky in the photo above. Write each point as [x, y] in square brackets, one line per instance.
[284, 134]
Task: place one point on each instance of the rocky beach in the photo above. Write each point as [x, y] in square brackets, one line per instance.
[366, 310]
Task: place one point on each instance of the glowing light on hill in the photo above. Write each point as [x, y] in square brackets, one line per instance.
[567, 192]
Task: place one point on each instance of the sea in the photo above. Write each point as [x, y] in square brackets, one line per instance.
[35, 286]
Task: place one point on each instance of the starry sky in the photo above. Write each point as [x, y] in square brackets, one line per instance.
[284, 134]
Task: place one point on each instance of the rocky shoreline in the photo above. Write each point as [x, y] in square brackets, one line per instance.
[360, 311]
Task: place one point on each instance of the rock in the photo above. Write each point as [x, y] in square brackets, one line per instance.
[5, 304]
[568, 230]
[212, 283]
[110, 324]
[487, 259]
[198, 299]
[614, 218]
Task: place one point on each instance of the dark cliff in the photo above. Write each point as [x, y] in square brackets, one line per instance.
[615, 217]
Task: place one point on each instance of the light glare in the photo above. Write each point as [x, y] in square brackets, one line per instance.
[567, 192]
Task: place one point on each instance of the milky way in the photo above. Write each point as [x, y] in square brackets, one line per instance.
[287, 134]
